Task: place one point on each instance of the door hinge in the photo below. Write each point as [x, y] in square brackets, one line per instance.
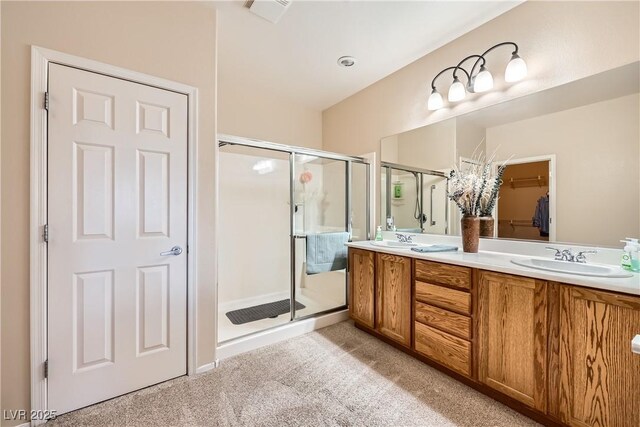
[46, 101]
[46, 368]
[45, 233]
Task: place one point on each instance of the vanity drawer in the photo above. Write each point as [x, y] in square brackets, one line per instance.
[444, 274]
[451, 299]
[444, 320]
[450, 351]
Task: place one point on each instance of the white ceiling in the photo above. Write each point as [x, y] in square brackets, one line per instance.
[297, 56]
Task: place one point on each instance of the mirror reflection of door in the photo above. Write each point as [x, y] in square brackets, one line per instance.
[523, 207]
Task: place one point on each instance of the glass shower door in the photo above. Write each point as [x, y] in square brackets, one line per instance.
[320, 229]
[254, 228]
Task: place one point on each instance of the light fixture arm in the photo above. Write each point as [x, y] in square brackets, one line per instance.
[433, 82]
[459, 67]
[489, 50]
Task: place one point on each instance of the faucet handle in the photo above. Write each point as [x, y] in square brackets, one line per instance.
[558, 254]
[403, 238]
[580, 256]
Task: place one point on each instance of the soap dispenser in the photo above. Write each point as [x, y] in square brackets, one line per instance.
[631, 255]
[635, 256]
[379, 234]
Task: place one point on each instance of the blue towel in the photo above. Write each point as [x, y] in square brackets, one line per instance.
[435, 248]
[326, 252]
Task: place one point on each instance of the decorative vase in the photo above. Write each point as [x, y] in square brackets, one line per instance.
[486, 226]
[470, 233]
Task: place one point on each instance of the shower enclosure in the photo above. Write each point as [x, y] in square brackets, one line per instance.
[414, 200]
[273, 198]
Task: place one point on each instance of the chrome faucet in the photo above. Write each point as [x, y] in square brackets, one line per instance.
[580, 256]
[568, 255]
[403, 238]
[390, 224]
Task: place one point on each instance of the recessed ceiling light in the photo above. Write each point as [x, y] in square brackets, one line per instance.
[346, 61]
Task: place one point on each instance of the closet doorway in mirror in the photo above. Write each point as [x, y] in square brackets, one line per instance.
[527, 199]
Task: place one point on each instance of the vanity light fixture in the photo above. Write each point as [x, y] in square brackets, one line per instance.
[456, 91]
[435, 100]
[478, 79]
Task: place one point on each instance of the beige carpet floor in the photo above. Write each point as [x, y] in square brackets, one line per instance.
[337, 376]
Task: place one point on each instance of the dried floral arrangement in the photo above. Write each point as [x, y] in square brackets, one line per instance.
[475, 189]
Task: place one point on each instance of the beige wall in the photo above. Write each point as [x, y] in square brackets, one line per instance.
[430, 147]
[561, 42]
[470, 140]
[1, 358]
[246, 108]
[253, 109]
[176, 41]
[597, 150]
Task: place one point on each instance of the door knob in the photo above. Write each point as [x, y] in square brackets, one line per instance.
[635, 345]
[174, 251]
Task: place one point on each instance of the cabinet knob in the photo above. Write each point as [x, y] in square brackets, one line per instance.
[635, 344]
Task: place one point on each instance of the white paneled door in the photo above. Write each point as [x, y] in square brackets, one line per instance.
[117, 205]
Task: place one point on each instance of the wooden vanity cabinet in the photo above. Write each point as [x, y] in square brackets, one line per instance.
[362, 287]
[380, 293]
[599, 376]
[512, 337]
[442, 315]
[557, 353]
[393, 297]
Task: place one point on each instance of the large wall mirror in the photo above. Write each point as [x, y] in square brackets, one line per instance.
[572, 155]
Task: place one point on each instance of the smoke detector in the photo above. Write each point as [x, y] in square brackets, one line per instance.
[271, 10]
[346, 61]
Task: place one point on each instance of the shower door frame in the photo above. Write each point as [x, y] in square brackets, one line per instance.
[388, 166]
[224, 140]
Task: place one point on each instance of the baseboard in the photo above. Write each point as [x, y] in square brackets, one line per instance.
[207, 367]
[281, 333]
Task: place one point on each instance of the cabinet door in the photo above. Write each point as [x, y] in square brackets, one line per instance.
[599, 375]
[393, 305]
[512, 337]
[361, 282]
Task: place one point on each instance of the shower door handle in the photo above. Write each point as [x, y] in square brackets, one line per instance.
[174, 251]
[433, 187]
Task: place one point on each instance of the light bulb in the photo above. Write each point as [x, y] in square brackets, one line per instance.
[516, 69]
[483, 81]
[435, 100]
[456, 91]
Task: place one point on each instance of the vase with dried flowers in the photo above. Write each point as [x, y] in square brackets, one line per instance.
[475, 191]
[488, 202]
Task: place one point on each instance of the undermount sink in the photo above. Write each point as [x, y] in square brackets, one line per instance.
[393, 244]
[572, 267]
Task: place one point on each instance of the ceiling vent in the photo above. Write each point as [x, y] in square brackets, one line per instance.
[271, 10]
